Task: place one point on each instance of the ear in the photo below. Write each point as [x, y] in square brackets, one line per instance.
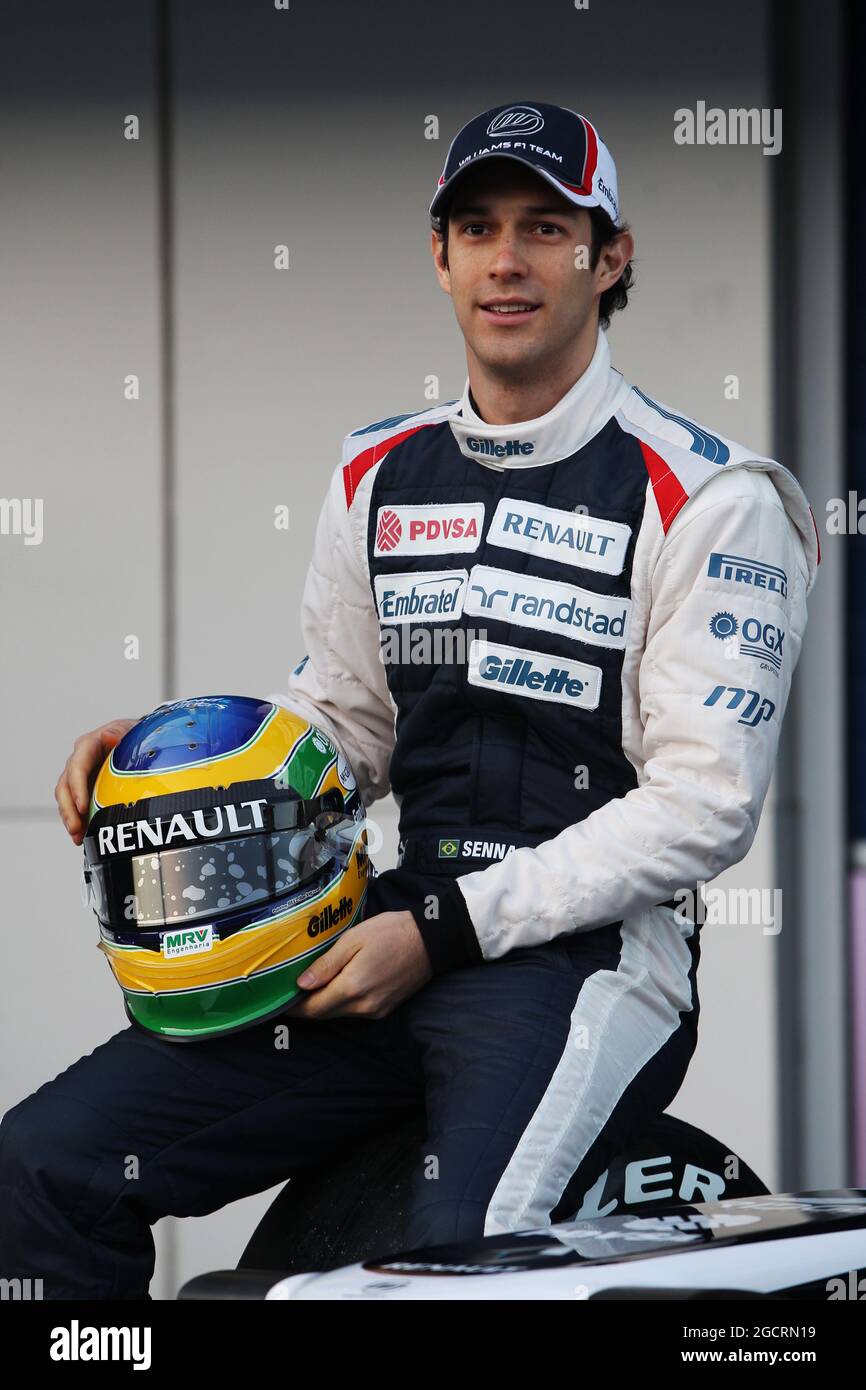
[614, 258]
[443, 275]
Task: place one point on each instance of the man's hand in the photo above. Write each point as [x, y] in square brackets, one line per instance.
[75, 783]
[368, 971]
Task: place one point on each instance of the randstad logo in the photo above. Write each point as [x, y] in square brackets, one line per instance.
[499, 451]
[187, 943]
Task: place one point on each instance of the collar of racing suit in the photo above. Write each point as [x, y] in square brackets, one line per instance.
[573, 421]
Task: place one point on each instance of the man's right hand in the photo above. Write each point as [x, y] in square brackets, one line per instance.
[89, 752]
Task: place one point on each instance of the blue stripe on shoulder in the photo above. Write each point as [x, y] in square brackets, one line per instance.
[395, 420]
[709, 446]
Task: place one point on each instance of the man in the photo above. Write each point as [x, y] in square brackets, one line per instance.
[623, 594]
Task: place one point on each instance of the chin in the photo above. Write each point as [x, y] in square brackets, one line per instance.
[515, 356]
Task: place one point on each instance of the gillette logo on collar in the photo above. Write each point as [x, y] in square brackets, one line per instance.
[494, 450]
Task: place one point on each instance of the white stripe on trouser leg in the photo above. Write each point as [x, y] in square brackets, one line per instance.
[629, 1014]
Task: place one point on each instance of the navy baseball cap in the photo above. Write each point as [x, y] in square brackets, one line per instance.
[557, 143]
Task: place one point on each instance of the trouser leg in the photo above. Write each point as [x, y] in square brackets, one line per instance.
[542, 1066]
[142, 1128]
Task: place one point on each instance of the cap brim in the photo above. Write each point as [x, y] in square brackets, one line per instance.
[446, 192]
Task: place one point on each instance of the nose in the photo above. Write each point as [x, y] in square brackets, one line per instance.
[508, 259]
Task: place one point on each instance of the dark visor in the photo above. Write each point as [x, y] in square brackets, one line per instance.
[157, 886]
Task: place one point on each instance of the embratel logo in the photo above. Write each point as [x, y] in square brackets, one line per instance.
[329, 917]
[736, 569]
[429, 530]
[430, 597]
[499, 451]
[517, 120]
[519, 672]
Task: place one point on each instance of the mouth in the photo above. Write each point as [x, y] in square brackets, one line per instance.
[509, 310]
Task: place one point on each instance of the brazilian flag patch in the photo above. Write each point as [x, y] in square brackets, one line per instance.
[449, 849]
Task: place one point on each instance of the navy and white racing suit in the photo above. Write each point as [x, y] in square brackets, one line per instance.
[566, 645]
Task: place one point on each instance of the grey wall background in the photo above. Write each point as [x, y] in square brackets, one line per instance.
[305, 127]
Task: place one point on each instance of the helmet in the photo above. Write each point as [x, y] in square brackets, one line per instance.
[225, 850]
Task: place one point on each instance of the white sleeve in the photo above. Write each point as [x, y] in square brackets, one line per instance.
[341, 684]
[708, 734]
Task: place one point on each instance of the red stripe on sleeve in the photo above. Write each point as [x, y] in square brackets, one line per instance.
[669, 492]
[354, 471]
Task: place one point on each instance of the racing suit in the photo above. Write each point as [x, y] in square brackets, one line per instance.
[630, 592]
[567, 646]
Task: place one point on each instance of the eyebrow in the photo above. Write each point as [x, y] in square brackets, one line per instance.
[483, 209]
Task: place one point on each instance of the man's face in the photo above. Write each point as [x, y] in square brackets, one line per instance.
[511, 241]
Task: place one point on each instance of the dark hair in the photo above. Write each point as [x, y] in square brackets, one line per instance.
[603, 233]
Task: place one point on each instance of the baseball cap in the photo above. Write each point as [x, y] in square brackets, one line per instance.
[559, 144]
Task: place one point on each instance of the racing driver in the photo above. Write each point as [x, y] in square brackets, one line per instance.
[559, 620]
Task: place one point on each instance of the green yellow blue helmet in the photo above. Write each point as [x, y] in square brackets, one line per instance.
[225, 850]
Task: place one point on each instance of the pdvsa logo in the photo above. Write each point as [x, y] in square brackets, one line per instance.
[506, 450]
[435, 529]
[517, 120]
[389, 530]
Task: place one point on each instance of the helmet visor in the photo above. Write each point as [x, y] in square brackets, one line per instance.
[210, 879]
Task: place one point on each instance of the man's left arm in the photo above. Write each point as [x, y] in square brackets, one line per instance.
[708, 735]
